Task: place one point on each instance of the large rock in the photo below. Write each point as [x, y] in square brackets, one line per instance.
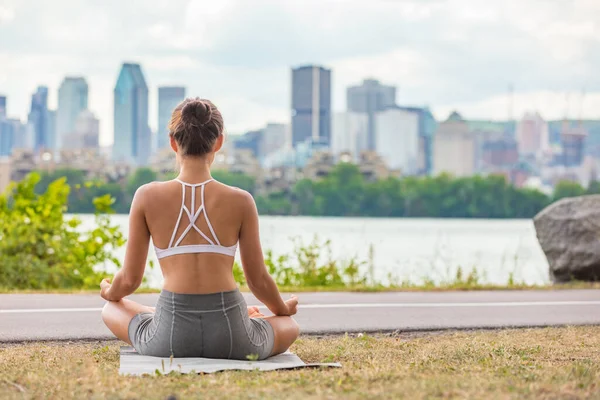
[569, 233]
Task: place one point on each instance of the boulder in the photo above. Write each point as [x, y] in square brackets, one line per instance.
[569, 233]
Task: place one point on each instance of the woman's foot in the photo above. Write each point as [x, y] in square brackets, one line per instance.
[254, 312]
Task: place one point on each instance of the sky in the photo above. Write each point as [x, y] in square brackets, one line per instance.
[446, 54]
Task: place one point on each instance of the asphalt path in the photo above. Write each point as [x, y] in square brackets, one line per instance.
[25, 317]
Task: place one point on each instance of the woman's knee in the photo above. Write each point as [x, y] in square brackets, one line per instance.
[295, 328]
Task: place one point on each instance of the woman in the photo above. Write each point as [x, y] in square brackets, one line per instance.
[196, 224]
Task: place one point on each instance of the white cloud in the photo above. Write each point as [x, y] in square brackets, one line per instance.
[445, 53]
[6, 14]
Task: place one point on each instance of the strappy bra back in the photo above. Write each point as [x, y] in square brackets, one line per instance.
[175, 246]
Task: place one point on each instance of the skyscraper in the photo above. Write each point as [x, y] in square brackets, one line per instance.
[2, 106]
[131, 132]
[454, 147]
[168, 98]
[370, 98]
[311, 104]
[7, 137]
[397, 139]
[533, 135]
[349, 134]
[72, 100]
[427, 128]
[38, 117]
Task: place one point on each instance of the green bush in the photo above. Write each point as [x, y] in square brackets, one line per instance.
[311, 265]
[41, 248]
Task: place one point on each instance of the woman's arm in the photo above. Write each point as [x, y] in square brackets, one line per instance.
[129, 278]
[259, 281]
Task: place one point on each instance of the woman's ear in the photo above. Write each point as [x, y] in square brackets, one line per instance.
[218, 143]
[173, 144]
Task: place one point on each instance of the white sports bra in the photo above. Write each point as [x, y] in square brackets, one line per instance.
[213, 246]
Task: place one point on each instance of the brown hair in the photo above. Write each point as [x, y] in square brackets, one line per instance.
[195, 125]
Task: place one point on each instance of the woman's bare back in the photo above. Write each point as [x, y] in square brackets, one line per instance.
[223, 205]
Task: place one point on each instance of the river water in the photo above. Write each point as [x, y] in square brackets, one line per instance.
[408, 249]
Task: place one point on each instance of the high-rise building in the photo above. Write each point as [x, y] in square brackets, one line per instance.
[454, 147]
[397, 139]
[427, 128]
[72, 100]
[349, 134]
[14, 134]
[533, 135]
[3, 107]
[132, 137]
[274, 137]
[86, 133]
[370, 98]
[573, 145]
[38, 117]
[249, 141]
[168, 98]
[311, 105]
[51, 143]
[7, 137]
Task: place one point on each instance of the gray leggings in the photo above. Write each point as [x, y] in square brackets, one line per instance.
[212, 325]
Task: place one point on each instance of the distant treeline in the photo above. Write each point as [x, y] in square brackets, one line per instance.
[345, 192]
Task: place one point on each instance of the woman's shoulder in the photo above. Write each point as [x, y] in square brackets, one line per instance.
[236, 193]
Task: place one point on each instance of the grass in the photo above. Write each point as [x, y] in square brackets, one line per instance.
[451, 286]
[547, 363]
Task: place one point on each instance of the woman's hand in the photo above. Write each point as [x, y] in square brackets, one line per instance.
[292, 306]
[104, 287]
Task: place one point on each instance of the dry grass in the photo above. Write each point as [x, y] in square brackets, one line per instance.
[547, 363]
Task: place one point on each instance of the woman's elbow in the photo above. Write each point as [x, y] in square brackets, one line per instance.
[131, 283]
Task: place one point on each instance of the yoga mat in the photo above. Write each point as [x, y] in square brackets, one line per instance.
[134, 364]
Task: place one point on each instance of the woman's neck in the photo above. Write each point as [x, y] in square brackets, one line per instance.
[194, 169]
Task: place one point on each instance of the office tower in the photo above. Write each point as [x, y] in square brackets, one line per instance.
[454, 148]
[13, 134]
[249, 141]
[349, 134]
[132, 138]
[7, 137]
[3, 107]
[38, 118]
[168, 98]
[370, 98]
[86, 132]
[427, 128]
[397, 139]
[274, 138]
[72, 100]
[533, 136]
[311, 105]
[51, 142]
[573, 140]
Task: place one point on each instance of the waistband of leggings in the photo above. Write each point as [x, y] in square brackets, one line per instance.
[200, 302]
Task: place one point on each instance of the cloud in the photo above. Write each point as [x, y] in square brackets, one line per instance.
[445, 53]
[6, 14]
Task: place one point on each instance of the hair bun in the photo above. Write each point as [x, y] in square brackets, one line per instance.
[196, 112]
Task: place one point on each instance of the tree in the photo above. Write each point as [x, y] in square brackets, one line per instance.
[567, 189]
[140, 177]
[236, 179]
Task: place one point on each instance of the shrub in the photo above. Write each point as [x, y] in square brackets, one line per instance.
[41, 248]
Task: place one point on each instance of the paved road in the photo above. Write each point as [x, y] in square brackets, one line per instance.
[58, 316]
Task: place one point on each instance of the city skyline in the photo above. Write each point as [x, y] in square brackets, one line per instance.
[544, 52]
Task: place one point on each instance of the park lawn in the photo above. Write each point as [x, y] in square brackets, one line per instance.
[525, 363]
